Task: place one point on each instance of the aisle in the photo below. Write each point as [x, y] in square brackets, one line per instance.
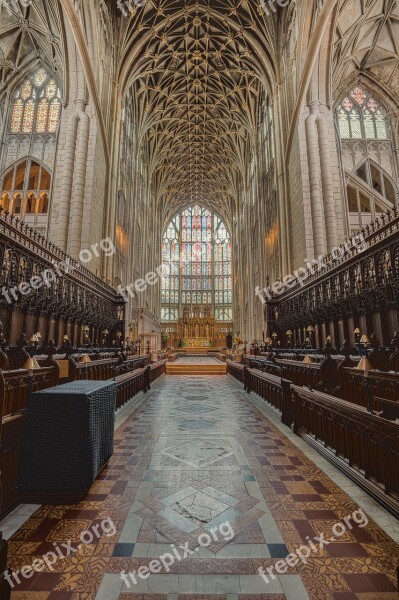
[203, 480]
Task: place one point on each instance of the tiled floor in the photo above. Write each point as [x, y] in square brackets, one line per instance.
[195, 360]
[203, 479]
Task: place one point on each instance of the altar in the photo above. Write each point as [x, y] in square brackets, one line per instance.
[197, 343]
[196, 329]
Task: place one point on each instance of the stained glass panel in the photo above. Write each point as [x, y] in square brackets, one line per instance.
[380, 125]
[26, 90]
[354, 119]
[16, 116]
[368, 124]
[51, 89]
[361, 116]
[201, 254]
[42, 116]
[54, 116]
[40, 77]
[358, 95]
[29, 113]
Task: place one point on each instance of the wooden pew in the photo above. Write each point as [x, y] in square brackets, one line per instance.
[382, 385]
[236, 370]
[386, 409]
[98, 370]
[273, 389]
[15, 387]
[131, 382]
[363, 445]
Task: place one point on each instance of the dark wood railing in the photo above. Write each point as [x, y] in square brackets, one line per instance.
[157, 369]
[345, 382]
[363, 445]
[353, 386]
[274, 390]
[98, 370]
[16, 386]
[128, 385]
[236, 370]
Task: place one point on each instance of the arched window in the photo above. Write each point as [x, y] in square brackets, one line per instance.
[29, 147]
[361, 116]
[36, 107]
[196, 255]
[366, 149]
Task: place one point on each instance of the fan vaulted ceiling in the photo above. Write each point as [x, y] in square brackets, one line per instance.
[367, 39]
[198, 71]
[29, 32]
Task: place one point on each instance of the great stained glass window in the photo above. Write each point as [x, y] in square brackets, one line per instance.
[37, 105]
[196, 254]
[360, 116]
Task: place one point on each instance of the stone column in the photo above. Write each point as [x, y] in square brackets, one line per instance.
[67, 181]
[392, 319]
[377, 328]
[351, 329]
[318, 217]
[77, 203]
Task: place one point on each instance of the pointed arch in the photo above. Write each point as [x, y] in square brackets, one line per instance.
[361, 115]
[197, 265]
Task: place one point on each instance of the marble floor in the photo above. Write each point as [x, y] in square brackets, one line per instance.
[203, 491]
[197, 360]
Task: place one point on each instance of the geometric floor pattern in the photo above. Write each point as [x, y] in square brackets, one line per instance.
[194, 456]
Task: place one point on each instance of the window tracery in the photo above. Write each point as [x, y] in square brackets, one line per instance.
[37, 105]
[366, 148]
[360, 115]
[196, 254]
[29, 147]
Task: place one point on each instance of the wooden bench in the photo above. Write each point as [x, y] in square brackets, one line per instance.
[15, 387]
[387, 409]
[362, 445]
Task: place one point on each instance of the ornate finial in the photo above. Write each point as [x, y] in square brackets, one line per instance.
[327, 349]
[374, 343]
[22, 342]
[346, 349]
[51, 348]
[3, 340]
[395, 340]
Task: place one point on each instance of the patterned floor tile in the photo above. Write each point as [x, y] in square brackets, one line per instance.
[194, 455]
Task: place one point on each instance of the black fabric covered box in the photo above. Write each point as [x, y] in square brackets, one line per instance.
[68, 439]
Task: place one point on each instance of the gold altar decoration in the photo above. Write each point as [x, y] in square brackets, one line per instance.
[196, 328]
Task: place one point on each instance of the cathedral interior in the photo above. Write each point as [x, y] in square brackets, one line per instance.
[199, 294]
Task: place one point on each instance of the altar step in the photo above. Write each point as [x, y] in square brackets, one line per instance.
[176, 369]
